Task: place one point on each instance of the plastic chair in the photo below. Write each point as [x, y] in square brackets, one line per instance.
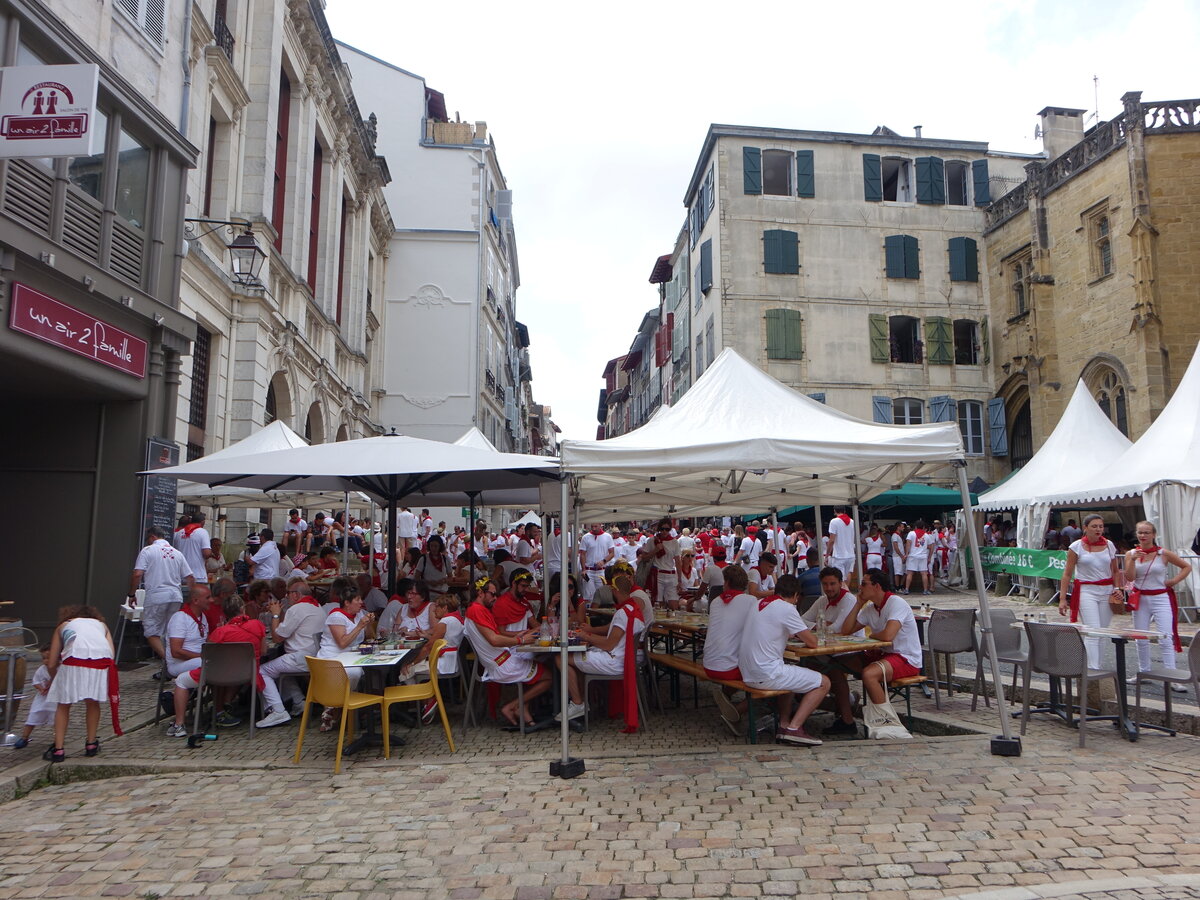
[227, 665]
[1058, 651]
[476, 678]
[431, 689]
[1008, 650]
[950, 631]
[1190, 675]
[329, 686]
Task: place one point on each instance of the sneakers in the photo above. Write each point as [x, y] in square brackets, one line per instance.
[21, 744]
[729, 711]
[226, 719]
[1178, 688]
[574, 711]
[840, 727]
[273, 718]
[429, 710]
[1132, 679]
[732, 726]
[797, 736]
[174, 730]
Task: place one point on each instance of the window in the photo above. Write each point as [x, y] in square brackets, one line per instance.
[342, 275]
[86, 172]
[964, 259]
[939, 339]
[904, 340]
[777, 172]
[784, 337]
[708, 196]
[269, 409]
[133, 179]
[901, 256]
[699, 355]
[1018, 289]
[314, 214]
[957, 193]
[966, 343]
[1098, 226]
[908, 411]
[970, 424]
[282, 127]
[897, 179]
[198, 408]
[705, 270]
[781, 254]
[209, 156]
[148, 15]
[1110, 396]
[710, 341]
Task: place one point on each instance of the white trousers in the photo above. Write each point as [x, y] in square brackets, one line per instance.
[275, 669]
[1095, 611]
[1156, 607]
[591, 581]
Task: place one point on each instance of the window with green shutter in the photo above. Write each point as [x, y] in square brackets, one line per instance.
[784, 337]
[901, 256]
[872, 178]
[706, 275]
[805, 181]
[751, 170]
[939, 341]
[877, 328]
[979, 174]
[931, 180]
[964, 259]
[781, 252]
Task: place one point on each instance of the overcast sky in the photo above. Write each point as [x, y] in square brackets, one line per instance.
[599, 112]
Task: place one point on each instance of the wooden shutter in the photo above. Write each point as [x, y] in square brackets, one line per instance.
[872, 178]
[880, 345]
[931, 180]
[941, 409]
[979, 174]
[706, 276]
[893, 255]
[939, 341]
[912, 257]
[819, 396]
[709, 193]
[751, 170]
[964, 259]
[775, 333]
[996, 426]
[881, 410]
[985, 340]
[805, 182]
[793, 338]
[773, 252]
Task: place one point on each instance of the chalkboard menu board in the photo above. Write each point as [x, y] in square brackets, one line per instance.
[158, 493]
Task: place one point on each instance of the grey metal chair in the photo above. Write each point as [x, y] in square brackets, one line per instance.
[950, 631]
[1008, 650]
[643, 670]
[1167, 677]
[1058, 651]
[475, 683]
[227, 665]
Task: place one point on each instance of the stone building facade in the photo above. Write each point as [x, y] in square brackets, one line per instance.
[1092, 270]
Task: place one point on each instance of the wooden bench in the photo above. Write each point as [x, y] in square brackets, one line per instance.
[678, 665]
[903, 687]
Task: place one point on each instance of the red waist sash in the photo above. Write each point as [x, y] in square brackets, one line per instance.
[114, 685]
[1170, 592]
[1075, 595]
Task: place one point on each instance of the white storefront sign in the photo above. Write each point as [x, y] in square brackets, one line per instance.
[48, 110]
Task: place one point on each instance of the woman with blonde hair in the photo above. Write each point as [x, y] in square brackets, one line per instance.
[82, 663]
[1152, 596]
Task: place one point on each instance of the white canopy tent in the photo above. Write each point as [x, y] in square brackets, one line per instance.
[739, 440]
[1082, 442]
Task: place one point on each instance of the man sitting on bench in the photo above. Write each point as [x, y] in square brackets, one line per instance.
[771, 622]
[890, 618]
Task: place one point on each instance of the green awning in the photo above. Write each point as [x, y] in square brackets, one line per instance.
[915, 494]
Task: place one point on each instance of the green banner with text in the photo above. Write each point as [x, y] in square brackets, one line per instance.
[1021, 561]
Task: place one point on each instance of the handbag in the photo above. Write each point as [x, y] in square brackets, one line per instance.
[882, 722]
[1133, 600]
[1116, 602]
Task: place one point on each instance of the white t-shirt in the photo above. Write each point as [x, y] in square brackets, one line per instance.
[299, 527]
[758, 581]
[406, 524]
[595, 548]
[750, 549]
[725, 624]
[388, 617]
[194, 634]
[897, 543]
[266, 561]
[874, 548]
[1094, 565]
[448, 661]
[524, 551]
[918, 550]
[686, 542]
[409, 622]
[766, 633]
[835, 613]
[329, 648]
[427, 526]
[301, 628]
[714, 576]
[907, 641]
[164, 570]
[842, 546]
[192, 546]
[670, 549]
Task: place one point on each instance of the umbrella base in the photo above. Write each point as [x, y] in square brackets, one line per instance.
[1002, 746]
[571, 768]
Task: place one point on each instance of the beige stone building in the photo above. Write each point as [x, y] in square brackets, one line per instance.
[1092, 270]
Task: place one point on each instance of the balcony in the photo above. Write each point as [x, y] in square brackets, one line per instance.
[222, 36]
[455, 133]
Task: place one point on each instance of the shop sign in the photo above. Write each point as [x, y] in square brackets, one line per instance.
[48, 110]
[42, 317]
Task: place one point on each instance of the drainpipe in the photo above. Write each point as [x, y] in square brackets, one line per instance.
[185, 59]
[473, 359]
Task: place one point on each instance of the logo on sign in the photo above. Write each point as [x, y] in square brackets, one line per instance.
[49, 112]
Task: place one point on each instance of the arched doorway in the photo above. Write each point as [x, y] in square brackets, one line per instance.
[278, 403]
[1020, 443]
[314, 425]
[343, 433]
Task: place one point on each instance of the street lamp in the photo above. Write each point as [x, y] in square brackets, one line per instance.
[246, 257]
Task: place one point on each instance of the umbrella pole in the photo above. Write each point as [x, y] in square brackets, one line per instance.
[858, 560]
[566, 767]
[391, 541]
[474, 551]
[547, 521]
[346, 535]
[1006, 743]
[819, 537]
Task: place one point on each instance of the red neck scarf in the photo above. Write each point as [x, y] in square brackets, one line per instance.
[841, 597]
[196, 617]
[414, 613]
[728, 595]
[114, 685]
[767, 601]
[633, 613]
[845, 518]
[1149, 551]
[920, 533]
[454, 615]
[1103, 542]
[188, 529]
[310, 600]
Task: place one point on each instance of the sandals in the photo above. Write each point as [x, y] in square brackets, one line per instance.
[329, 720]
[91, 748]
[54, 754]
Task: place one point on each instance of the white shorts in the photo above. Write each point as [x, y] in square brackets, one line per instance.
[917, 564]
[155, 614]
[186, 681]
[600, 662]
[844, 564]
[797, 679]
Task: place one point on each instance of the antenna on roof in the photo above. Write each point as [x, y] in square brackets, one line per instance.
[1096, 98]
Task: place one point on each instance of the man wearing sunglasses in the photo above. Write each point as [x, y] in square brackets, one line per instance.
[300, 630]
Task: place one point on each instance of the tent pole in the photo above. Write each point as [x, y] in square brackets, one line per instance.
[346, 535]
[566, 767]
[1006, 744]
[474, 550]
[858, 560]
[819, 537]
[391, 537]
[781, 564]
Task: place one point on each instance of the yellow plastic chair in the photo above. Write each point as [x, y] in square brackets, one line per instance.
[406, 693]
[329, 686]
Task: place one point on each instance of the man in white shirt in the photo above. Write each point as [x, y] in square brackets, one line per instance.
[842, 539]
[748, 552]
[406, 529]
[426, 527]
[727, 616]
[265, 563]
[662, 552]
[596, 550]
[187, 631]
[769, 626]
[919, 547]
[727, 542]
[525, 554]
[686, 541]
[196, 546]
[295, 533]
[890, 618]
[762, 576]
[834, 605]
[300, 629]
[163, 571]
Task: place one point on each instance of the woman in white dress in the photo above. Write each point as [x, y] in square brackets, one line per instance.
[343, 628]
[1092, 562]
[1148, 574]
[873, 544]
[82, 662]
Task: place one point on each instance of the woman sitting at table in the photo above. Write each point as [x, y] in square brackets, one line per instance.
[406, 567]
[713, 578]
[470, 567]
[1147, 572]
[412, 617]
[327, 562]
[513, 610]
[576, 605]
[258, 595]
[688, 581]
[608, 652]
[1092, 560]
[433, 570]
[344, 628]
[446, 623]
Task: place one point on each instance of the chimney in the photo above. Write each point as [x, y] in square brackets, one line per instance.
[1062, 129]
[480, 132]
[917, 130]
